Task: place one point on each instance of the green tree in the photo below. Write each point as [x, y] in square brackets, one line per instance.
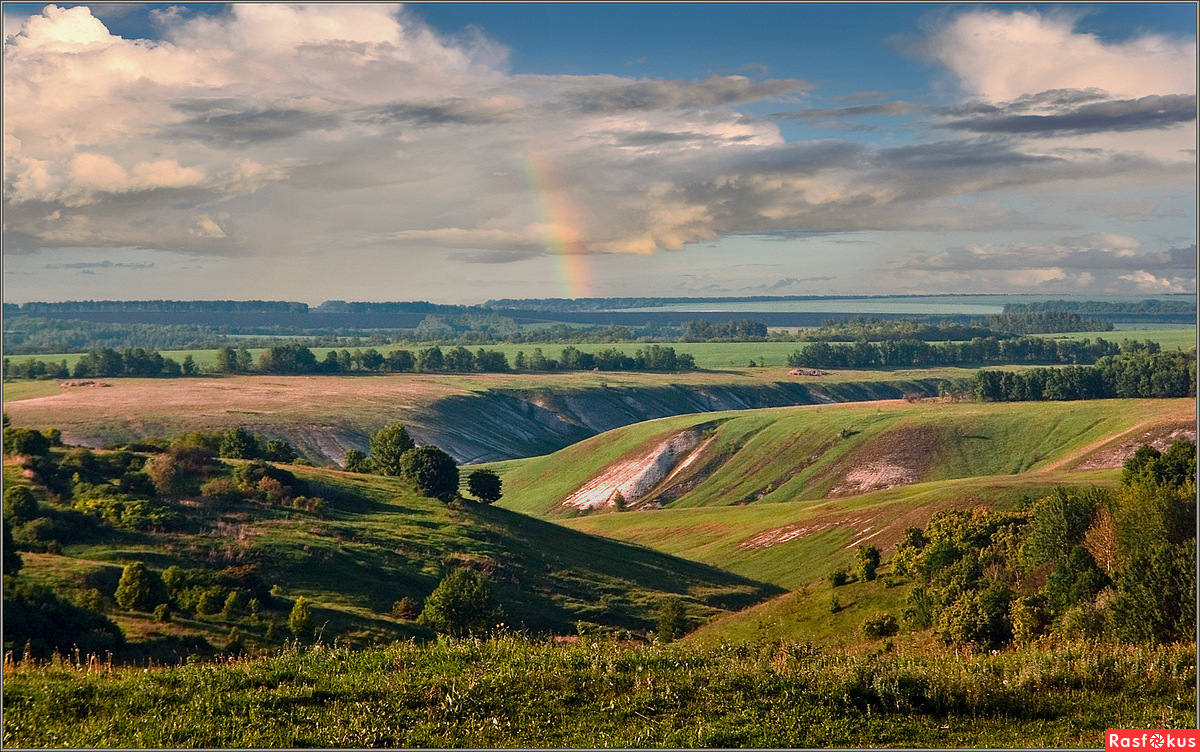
[278, 450]
[189, 366]
[388, 446]
[239, 444]
[12, 559]
[300, 620]
[462, 604]
[484, 485]
[868, 561]
[432, 471]
[25, 441]
[670, 620]
[1058, 524]
[356, 462]
[430, 359]
[139, 588]
[19, 504]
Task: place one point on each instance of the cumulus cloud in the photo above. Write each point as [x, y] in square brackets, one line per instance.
[271, 128]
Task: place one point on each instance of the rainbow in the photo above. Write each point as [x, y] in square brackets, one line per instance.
[563, 229]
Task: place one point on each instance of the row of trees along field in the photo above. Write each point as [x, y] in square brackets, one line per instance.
[1142, 373]
[297, 359]
[910, 353]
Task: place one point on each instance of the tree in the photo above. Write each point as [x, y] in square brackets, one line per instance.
[462, 604]
[238, 444]
[25, 441]
[430, 359]
[484, 485]
[189, 366]
[140, 588]
[388, 445]
[868, 561]
[356, 462]
[670, 621]
[300, 619]
[12, 560]
[19, 504]
[432, 471]
[278, 450]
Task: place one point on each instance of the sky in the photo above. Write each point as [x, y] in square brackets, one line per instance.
[462, 152]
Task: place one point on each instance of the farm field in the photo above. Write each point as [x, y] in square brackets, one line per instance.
[819, 451]
[708, 355]
[474, 416]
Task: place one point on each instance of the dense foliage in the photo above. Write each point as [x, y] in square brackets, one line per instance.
[915, 353]
[1078, 563]
[462, 605]
[1143, 373]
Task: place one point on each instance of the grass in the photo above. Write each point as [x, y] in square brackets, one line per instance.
[1171, 338]
[510, 692]
[380, 542]
[800, 453]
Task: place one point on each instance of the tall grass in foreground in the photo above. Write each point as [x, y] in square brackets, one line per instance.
[513, 692]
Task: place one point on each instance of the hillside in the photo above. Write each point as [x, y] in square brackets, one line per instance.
[475, 417]
[372, 542]
[832, 451]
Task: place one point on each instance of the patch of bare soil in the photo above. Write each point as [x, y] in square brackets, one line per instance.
[897, 458]
[631, 479]
[1118, 449]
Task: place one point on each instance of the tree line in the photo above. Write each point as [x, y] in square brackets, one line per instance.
[1104, 306]
[1141, 373]
[909, 353]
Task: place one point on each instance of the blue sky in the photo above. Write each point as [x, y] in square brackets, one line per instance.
[460, 152]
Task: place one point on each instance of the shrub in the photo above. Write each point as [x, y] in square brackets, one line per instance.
[670, 621]
[484, 485]
[211, 600]
[881, 625]
[12, 560]
[462, 604]
[238, 444]
[300, 620]
[388, 446]
[868, 561]
[139, 588]
[49, 624]
[162, 613]
[432, 471]
[839, 578]
[356, 462]
[235, 604]
[406, 608]
[19, 504]
[834, 604]
[25, 441]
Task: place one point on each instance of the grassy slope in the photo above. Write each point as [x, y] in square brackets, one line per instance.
[382, 542]
[787, 454]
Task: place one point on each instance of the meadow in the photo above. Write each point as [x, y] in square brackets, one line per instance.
[511, 692]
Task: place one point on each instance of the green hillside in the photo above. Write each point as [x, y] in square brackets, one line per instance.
[825, 451]
[374, 542]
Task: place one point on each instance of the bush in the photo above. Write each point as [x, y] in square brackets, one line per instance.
[670, 621]
[462, 604]
[25, 441]
[432, 471]
[406, 608]
[881, 625]
[388, 446]
[839, 578]
[139, 588]
[19, 504]
[484, 485]
[162, 613]
[49, 624]
[300, 620]
[868, 561]
[356, 462]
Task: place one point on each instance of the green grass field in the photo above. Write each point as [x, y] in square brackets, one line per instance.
[707, 354]
[800, 453]
[513, 693]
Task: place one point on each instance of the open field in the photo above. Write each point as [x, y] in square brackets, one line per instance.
[829, 451]
[509, 692]
[1169, 337]
[476, 417]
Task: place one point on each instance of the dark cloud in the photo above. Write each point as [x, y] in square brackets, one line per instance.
[456, 111]
[219, 123]
[897, 107]
[714, 91]
[1097, 117]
